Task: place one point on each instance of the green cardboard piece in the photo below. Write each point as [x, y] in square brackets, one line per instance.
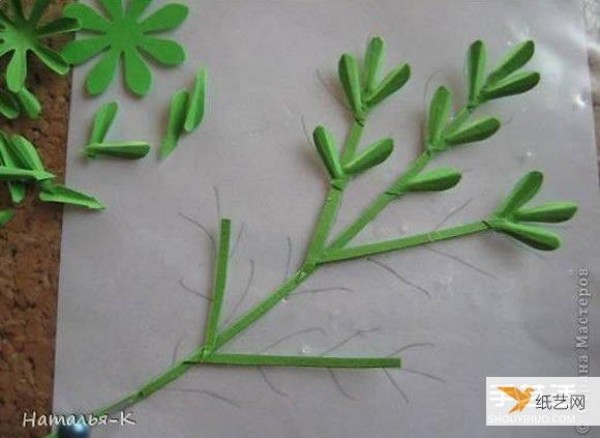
[63, 195]
[177, 116]
[20, 35]
[132, 150]
[122, 33]
[196, 102]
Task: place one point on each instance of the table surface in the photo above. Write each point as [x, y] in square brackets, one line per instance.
[30, 254]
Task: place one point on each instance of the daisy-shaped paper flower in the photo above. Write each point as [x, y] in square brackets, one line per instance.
[123, 33]
[21, 34]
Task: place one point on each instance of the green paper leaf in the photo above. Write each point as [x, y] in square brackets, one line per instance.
[30, 104]
[476, 63]
[439, 113]
[64, 195]
[393, 82]
[371, 157]
[17, 189]
[177, 116]
[88, 17]
[13, 174]
[517, 58]
[102, 74]
[137, 74]
[167, 18]
[16, 71]
[535, 237]
[523, 192]
[8, 106]
[166, 52]
[517, 83]
[374, 60]
[435, 180]
[477, 131]
[551, 212]
[131, 150]
[327, 149]
[197, 102]
[6, 216]
[349, 75]
[25, 153]
[81, 50]
[103, 120]
[53, 60]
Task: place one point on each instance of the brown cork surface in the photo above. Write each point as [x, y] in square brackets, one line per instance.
[29, 261]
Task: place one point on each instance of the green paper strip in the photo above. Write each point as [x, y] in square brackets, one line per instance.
[177, 116]
[6, 216]
[63, 195]
[219, 285]
[337, 255]
[103, 120]
[131, 150]
[255, 360]
[12, 174]
[197, 102]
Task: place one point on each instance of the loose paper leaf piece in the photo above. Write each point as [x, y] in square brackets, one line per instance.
[255, 360]
[103, 120]
[6, 216]
[132, 150]
[551, 212]
[435, 180]
[124, 34]
[371, 157]
[20, 35]
[58, 193]
[327, 149]
[177, 116]
[196, 103]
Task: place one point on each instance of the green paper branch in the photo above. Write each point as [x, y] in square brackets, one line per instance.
[446, 130]
[105, 117]
[186, 113]
[20, 164]
[122, 33]
[21, 34]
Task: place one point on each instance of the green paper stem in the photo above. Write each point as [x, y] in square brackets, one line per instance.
[219, 285]
[257, 360]
[337, 255]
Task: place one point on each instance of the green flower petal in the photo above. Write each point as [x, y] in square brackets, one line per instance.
[114, 8]
[103, 73]
[79, 51]
[137, 74]
[17, 71]
[88, 17]
[166, 52]
[62, 25]
[54, 60]
[137, 8]
[38, 9]
[166, 18]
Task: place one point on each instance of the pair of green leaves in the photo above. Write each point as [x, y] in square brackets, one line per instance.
[23, 101]
[444, 132]
[21, 163]
[363, 89]
[507, 79]
[327, 148]
[509, 216]
[186, 113]
[97, 146]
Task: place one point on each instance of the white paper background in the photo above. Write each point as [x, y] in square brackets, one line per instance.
[122, 310]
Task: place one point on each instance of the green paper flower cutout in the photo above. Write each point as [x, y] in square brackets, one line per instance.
[21, 34]
[122, 33]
